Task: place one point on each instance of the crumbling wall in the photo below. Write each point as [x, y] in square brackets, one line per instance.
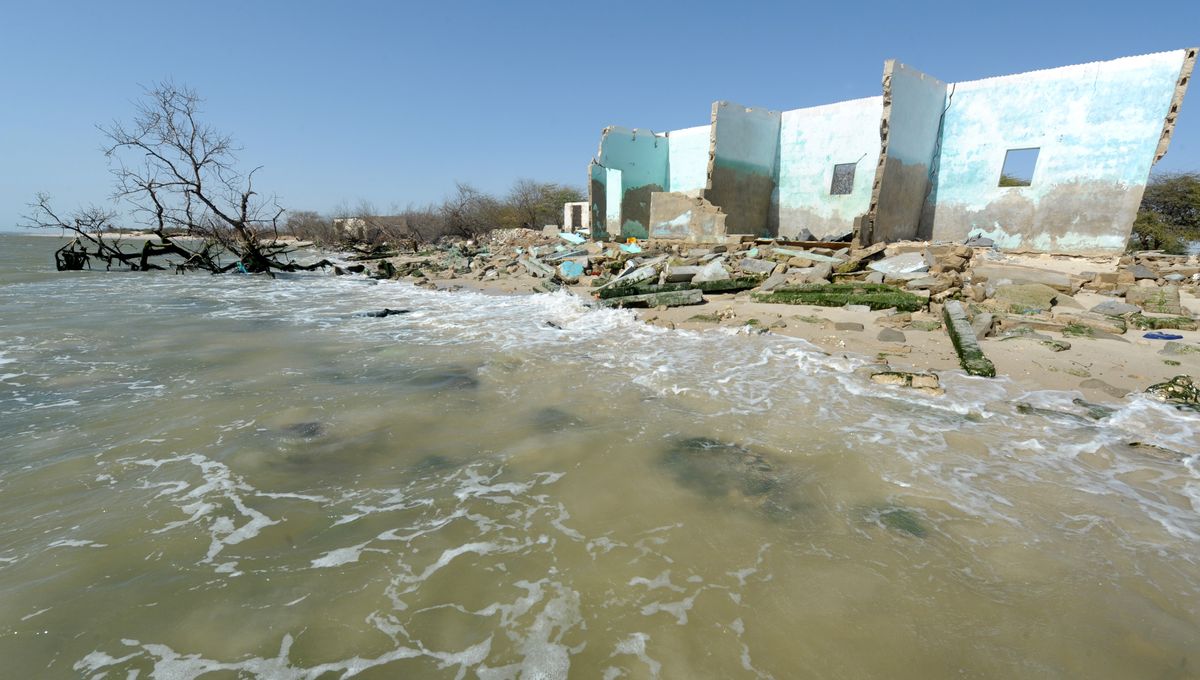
[741, 166]
[641, 157]
[598, 198]
[676, 215]
[687, 159]
[811, 142]
[1098, 128]
[908, 134]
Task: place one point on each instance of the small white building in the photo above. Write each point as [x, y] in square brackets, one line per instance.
[577, 217]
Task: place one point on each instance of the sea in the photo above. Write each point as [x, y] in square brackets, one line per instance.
[243, 477]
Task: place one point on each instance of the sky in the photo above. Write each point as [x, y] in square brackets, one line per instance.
[392, 102]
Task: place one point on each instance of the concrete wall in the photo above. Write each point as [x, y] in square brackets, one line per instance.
[605, 214]
[912, 110]
[682, 216]
[931, 152]
[741, 169]
[811, 142]
[687, 154]
[585, 216]
[598, 198]
[641, 156]
[1098, 127]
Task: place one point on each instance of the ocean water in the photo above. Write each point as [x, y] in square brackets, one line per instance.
[230, 477]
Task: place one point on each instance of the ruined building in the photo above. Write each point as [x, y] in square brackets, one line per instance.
[1052, 161]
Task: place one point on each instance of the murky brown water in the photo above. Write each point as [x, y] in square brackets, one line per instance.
[228, 477]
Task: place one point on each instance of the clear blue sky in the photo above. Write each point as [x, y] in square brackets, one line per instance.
[393, 103]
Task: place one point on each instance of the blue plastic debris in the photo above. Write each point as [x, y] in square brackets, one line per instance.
[631, 247]
[1156, 335]
[572, 238]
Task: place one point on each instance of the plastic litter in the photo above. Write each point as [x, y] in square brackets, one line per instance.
[1157, 335]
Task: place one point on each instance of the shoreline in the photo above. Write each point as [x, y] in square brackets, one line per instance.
[1102, 369]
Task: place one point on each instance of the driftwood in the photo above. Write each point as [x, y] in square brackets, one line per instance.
[178, 177]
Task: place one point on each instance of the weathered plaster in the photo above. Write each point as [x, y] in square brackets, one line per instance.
[680, 216]
[912, 109]
[1098, 127]
[1181, 85]
[811, 142]
[641, 156]
[598, 198]
[687, 153]
[741, 166]
[928, 159]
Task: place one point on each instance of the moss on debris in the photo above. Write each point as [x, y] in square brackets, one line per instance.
[874, 295]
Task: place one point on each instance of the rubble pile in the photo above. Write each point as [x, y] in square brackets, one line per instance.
[971, 289]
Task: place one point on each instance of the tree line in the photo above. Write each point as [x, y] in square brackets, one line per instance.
[466, 212]
[1169, 216]
[184, 188]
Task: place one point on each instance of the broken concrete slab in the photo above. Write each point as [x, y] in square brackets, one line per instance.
[682, 274]
[970, 355]
[806, 255]
[674, 298]
[1141, 272]
[926, 383]
[904, 263]
[754, 266]
[1025, 298]
[713, 271]
[675, 215]
[536, 268]
[1021, 275]
[1115, 308]
[1163, 300]
[773, 281]
[875, 296]
[1157, 323]
[982, 324]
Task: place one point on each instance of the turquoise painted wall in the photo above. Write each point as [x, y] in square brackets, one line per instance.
[742, 177]
[1097, 126]
[641, 156]
[688, 159]
[905, 179]
[917, 103]
[811, 142]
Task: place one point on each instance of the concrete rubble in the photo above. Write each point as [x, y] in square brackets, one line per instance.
[975, 293]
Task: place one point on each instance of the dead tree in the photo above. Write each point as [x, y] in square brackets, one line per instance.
[180, 178]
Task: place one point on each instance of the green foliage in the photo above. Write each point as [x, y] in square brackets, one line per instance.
[1010, 181]
[1169, 216]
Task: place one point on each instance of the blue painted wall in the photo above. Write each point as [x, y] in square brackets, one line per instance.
[741, 174]
[688, 159]
[1097, 126]
[811, 142]
[641, 156]
[904, 180]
